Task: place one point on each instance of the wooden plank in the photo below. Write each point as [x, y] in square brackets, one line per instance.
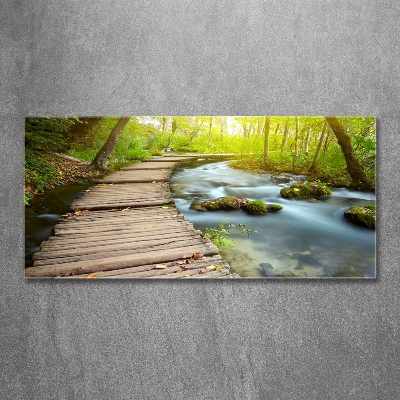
[129, 232]
[143, 246]
[123, 235]
[109, 263]
[169, 158]
[99, 242]
[145, 220]
[121, 187]
[176, 265]
[206, 250]
[129, 218]
[147, 166]
[59, 229]
[132, 203]
[155, 210]
[134, 176]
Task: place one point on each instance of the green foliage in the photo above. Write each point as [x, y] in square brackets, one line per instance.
[46, 134]
[39, 173]
[43, 136]
[293, 142]
[27, 198]
[131, 142]
[220, 236]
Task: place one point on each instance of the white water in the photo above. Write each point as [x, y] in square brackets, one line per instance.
[308, 239]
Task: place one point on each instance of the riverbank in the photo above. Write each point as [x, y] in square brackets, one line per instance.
[56, 170]
[334, 177]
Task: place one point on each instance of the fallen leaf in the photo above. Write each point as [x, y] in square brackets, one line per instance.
[161, 266]
[197, 256]
[92, 276]
[219, 268]
[210, 267]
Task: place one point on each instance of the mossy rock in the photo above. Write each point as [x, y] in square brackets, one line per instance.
[362, 215]
[197, 206]
[306, 190]
[259, 207]
[274, 207]
[224, 203]
[256, 207]
[235, 203]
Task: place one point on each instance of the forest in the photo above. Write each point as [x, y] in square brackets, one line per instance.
[339, 151]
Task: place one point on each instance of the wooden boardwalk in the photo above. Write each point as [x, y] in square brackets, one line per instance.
[127, 226]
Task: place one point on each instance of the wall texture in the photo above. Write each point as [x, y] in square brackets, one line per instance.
[238, 339]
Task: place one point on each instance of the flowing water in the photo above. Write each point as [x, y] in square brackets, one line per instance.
[308, 239]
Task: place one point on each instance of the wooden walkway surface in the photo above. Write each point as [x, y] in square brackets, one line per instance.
[127, 226]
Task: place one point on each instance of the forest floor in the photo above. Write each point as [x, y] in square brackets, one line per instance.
[67, 172]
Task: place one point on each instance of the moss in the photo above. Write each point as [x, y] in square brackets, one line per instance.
[197, 206]
[362, 215]
[224, 203]
[274, 207]
[256, 207]
[304, 190]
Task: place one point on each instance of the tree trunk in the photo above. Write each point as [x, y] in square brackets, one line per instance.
[164, 123]
[327, 141]
[99, 162]
[266, 142]
[209, 132]
[354, 167]
[321, 140]
[296, 138]
[174, 126]
[285, 135]
[307, 141]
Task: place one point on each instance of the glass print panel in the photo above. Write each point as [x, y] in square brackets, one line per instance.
[190, 197]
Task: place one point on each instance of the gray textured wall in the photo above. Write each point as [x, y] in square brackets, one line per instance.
[199, 340]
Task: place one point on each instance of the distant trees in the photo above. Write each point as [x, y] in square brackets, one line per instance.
[335, 149]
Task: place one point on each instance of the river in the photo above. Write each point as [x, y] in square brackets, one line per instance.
[308, 239]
